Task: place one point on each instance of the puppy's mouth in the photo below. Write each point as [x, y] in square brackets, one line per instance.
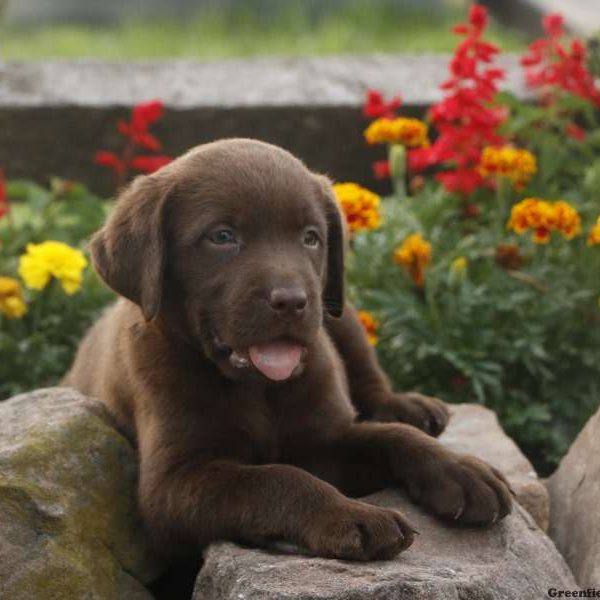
[276, 359]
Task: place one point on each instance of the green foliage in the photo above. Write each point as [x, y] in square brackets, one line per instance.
[37, 349]
[525, 340]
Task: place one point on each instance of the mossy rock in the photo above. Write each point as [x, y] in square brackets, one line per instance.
[69, 526]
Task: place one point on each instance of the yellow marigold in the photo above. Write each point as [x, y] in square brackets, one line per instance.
[513, 163]
[360, 206]
[50, 259]
[414, 254]
[12, 305]
[544, 217]
[371, 325]
[594, 234]
[405, 131]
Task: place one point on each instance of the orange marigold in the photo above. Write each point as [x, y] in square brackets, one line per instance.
[414, 254]
[544, 217]
[371, 325]
[594, 234]
[360, 206]
[405, 131]
[513, 163]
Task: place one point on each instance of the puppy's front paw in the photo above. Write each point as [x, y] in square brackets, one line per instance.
[460, 488]
[358, 531]
[428, 414]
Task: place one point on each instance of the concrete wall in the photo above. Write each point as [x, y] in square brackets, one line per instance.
[54, 116]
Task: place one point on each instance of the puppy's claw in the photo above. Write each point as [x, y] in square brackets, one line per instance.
[459, 513]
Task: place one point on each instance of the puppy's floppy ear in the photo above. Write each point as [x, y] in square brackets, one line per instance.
[333, 293]
[129, 251]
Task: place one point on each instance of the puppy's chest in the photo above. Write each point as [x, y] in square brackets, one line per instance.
[276, 426]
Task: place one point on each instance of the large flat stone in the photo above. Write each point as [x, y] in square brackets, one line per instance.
[512, 560]
[474, 429]
[575, 505]
[55, 115]
[69, 526]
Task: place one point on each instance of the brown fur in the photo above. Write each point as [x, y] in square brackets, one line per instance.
[225, 453]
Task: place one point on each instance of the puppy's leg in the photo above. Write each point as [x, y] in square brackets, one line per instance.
[454, 486]
[190, 499]
[370, 389]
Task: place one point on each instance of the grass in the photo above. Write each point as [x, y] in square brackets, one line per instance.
[219, 34]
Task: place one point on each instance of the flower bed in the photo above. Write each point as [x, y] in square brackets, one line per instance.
[482, 269]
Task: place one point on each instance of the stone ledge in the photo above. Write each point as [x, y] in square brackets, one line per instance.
[233, 83]
[55, 115]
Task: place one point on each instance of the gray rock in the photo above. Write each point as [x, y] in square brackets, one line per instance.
[512, 560]
[474, 429]
[69, 528]
[575, 505]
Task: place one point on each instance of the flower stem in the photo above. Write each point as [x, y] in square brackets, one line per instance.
[397, 158]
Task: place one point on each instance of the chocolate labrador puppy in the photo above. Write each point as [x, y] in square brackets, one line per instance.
[217, 363]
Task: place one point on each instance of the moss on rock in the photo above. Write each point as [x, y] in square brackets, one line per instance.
[69, 526]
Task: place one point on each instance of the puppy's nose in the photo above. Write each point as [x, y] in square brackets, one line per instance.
[288, 302]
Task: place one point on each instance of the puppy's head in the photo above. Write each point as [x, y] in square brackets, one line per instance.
[235, 246]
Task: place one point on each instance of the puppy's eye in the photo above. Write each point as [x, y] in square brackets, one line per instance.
[311, 239]
[222, 237]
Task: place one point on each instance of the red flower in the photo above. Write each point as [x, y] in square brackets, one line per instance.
[553, 24]
[552, 66]
[150, 164]
[147, 113]
[461, 181]
[136, 134]
[4, 206]
[575, 132]
[478, 17]
[140, 137]
[381, 169]
[109, 159]
[376, 107]
[465, 119]
[142, 116]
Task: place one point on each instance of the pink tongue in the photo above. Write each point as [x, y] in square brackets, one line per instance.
[276, 360]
